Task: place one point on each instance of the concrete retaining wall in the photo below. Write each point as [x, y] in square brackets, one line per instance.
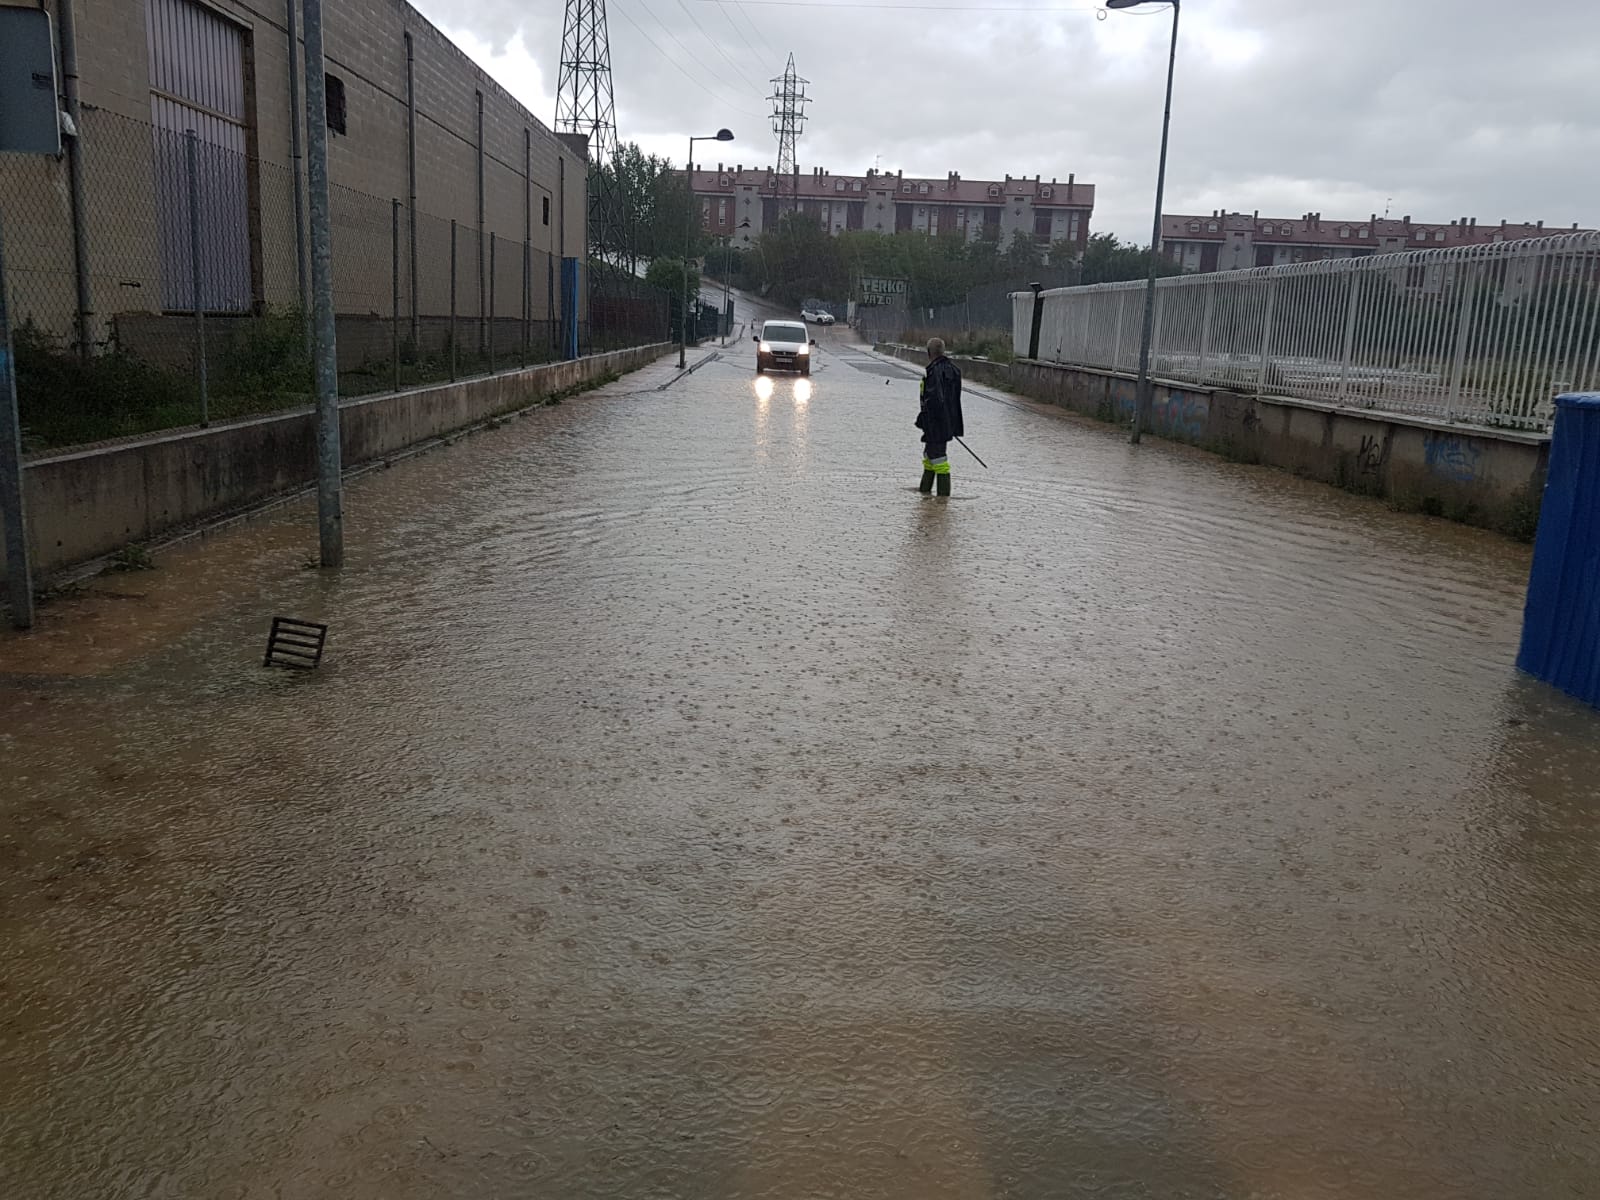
[1492, 478]
[85, 503]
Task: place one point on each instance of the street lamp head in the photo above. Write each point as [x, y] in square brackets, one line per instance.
[1135, 3]
[724, 135]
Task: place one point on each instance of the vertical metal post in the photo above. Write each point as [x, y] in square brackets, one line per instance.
[452, 301]
[68, 33]
[1266, 334]
[297, 124]
[482, 221]
[527, 299]
[13, 514]
[394, 311]
[1205, 329]
[330, 484]
[1347, 350]
[688, 239]
[191, 150]
[1142, 405]
[1458, 358]
[490, 342]
[727, 270]
[411, 182]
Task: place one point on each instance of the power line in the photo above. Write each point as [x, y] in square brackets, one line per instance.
[717, 47]
[734, 25]
[673, 62]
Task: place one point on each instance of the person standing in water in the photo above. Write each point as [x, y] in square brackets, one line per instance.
[939, 418]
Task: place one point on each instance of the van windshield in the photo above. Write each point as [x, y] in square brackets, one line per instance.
[775, 332]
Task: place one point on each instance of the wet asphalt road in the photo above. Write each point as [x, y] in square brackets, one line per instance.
[689, 808]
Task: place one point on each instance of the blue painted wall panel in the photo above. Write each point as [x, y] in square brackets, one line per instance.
[1561, 621]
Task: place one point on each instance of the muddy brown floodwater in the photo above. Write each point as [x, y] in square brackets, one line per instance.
[687, 808]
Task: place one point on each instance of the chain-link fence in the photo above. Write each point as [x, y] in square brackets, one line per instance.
[192, 305]
[980, 322]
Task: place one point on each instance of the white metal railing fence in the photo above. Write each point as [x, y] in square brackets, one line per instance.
[1486, 335]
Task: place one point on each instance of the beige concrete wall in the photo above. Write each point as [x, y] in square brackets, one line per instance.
[1492, 478]
[90, 502]
[522, 163]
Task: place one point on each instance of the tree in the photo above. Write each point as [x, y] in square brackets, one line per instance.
[1108, 260]
[667, 274]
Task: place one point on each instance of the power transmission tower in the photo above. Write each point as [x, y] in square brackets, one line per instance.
[789, 102]
[584, 105]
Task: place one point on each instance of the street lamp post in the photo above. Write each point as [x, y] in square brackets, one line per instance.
[1143, 402]
[727, 272]
[721, 135]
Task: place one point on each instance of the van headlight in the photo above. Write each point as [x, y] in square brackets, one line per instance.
[803, 350]
[765, 347]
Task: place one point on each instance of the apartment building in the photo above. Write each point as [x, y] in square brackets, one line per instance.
[1228, 241]
[410, 119]
[740, 202]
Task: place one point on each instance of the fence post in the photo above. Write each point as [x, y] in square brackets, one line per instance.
[13, 514]
[527, 299]
[1458, 359]
[191, 148]
[1205, 328]
[324, 324]
[1159, 301]
[1347, 351]
[394, 317]
[1266, 335]
[1038, 319]
[452, 300]
[489, 341]
[1116, 343]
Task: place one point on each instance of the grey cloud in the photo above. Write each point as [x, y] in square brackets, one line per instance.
[1451, 107]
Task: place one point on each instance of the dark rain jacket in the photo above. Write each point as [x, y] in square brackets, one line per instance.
[940, 418]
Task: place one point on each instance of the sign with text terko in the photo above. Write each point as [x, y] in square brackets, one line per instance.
[878, 291]
[30, 121]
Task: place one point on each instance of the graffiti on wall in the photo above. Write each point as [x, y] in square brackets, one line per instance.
[1452, 457]
[1182, 414]
[1372, 455]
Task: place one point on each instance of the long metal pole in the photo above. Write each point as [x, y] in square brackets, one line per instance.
[1143, 403]
[191, 149]
[411, 184]
[330, 485]
[452, 301]
[727, 269]
[80, 212]
[13, 515]
[297, 157]
[688, 237]
[394, 274]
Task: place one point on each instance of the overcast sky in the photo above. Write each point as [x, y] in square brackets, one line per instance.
[1432, 108]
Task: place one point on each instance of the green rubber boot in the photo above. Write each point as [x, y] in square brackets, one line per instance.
[944, 484]
[926, 486]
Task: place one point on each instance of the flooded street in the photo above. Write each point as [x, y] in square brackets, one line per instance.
[688, 808]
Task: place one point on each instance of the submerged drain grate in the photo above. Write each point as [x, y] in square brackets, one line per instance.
[295, 644]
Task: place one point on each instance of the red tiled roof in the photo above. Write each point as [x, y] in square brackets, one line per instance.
[940, 191]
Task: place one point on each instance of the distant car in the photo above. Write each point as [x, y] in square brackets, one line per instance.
[817, 316]
[783, 346]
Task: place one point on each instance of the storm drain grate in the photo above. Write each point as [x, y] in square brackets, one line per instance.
[295, 644]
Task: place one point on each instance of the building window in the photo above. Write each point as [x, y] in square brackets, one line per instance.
[1287, 230]
[336, 106]
[1211, 227]
[1266, 229]
[546, 209]
[923, 188]
[1438, 235]
[722, 212]
[1344, 231]
[1362, 232]
[1194, 226]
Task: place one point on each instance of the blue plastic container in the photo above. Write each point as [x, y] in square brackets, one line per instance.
[1561, 621]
